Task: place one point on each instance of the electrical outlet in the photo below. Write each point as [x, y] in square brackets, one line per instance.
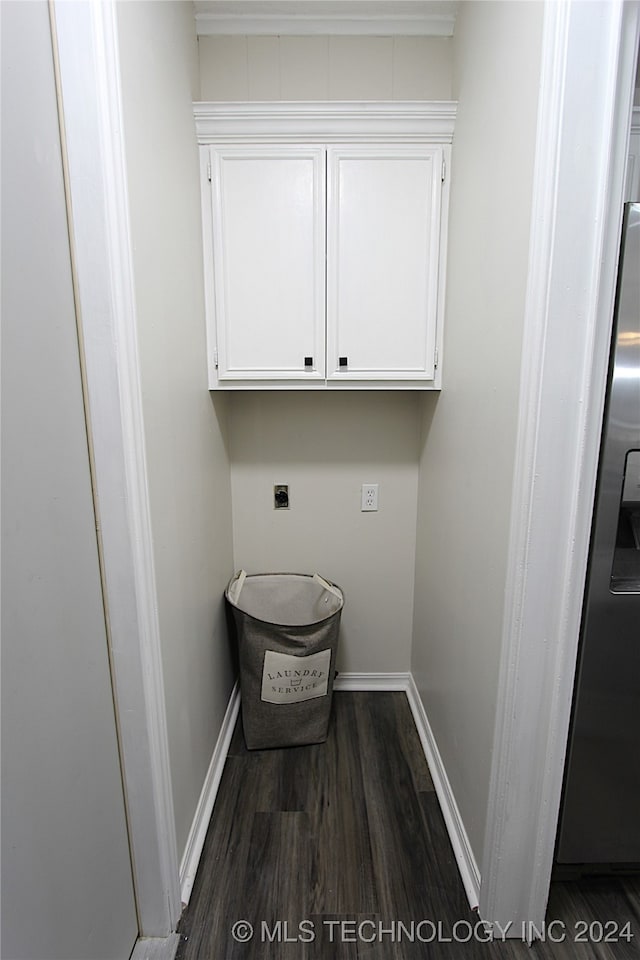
[369, 497]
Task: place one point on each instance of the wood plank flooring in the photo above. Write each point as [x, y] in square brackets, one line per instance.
[339, 850]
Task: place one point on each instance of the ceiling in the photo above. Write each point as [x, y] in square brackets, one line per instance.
[347, 17]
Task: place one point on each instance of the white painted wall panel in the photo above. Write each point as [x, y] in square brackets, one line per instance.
[321, 68]
[304, 68]
[469, 431]
[187, 458]
[422, 68]
[224, 68]
[360, 68]
[325, 447]
[263, 68]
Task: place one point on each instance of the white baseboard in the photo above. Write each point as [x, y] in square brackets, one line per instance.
[465, 859]
[198, 832]
[372, 681]
[156, 948]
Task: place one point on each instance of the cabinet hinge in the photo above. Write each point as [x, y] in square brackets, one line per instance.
[209, 170]
[435, 359]
[444, 170]
[215, 359]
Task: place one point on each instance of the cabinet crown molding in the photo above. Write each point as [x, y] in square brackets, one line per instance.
[422, 120]
[431, 18]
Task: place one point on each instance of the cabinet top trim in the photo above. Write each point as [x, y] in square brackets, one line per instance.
[325, 120]
[435, 18]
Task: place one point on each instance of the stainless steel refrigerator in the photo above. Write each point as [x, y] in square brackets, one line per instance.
[600, 812]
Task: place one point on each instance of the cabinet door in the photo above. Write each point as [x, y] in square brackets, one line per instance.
[268, 250]
[383, 247]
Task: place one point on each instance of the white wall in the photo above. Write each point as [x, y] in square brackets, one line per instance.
[187, 457]
[469, 432]
[325, 446]
[66, 873]
[325, 68]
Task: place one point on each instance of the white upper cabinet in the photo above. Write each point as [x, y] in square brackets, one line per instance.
[268, 219]
[383, 233]
[324, 243]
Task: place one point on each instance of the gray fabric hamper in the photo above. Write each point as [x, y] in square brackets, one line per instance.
[287, 626]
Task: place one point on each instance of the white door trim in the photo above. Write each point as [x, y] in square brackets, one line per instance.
[583, 127]
[86, 50]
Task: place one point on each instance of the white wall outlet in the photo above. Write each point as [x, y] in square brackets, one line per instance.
[369, 497]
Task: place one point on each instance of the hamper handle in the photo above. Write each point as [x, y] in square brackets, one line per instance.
[236, 588]
[328, 586]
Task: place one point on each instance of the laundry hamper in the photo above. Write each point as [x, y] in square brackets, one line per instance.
[287, 628]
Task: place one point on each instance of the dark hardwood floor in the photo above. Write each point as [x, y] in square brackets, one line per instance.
[339, 850]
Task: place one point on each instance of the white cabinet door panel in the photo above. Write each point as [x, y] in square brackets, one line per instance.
[268, 249]
[382, 261]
